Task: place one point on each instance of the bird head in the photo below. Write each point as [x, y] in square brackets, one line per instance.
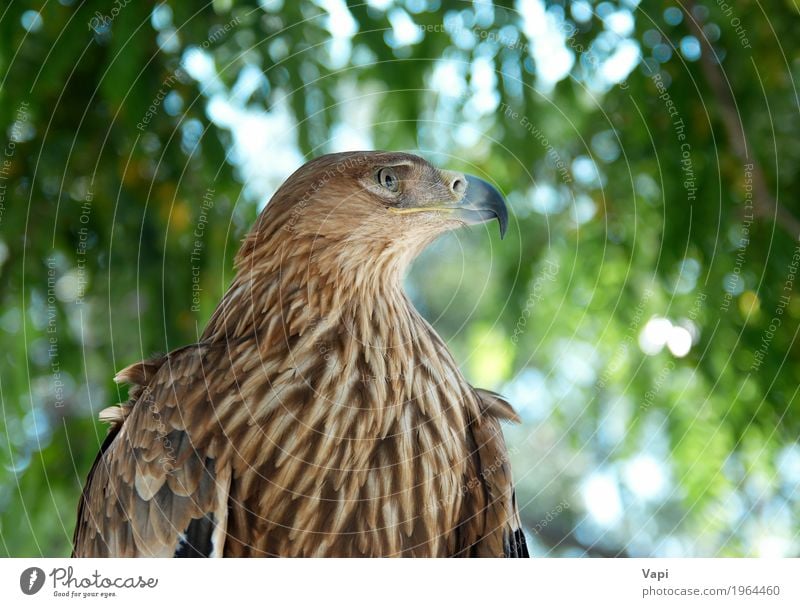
[385, 195]
[365, 207]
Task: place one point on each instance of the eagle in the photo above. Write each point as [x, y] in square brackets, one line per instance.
[319, 414]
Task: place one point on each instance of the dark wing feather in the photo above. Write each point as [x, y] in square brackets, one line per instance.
[197, 541]
[492, 525]
[156, 488]
[82, 508]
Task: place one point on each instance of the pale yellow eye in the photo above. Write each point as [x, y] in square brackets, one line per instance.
[388, 179]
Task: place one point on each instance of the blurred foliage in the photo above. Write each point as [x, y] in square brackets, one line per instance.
[121, 119]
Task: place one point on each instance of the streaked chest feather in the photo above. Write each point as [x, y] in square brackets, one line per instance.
[350, 452]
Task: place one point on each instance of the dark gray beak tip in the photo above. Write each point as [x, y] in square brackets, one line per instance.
[483, 199]
[502, 219]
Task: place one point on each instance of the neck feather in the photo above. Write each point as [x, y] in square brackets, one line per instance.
[351, 336]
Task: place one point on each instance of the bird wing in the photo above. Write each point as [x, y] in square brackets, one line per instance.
[157, 487]
[493, 525]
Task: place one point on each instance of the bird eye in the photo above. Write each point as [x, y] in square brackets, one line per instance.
[388, 179]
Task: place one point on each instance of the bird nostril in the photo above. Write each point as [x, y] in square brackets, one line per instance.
[459, 185]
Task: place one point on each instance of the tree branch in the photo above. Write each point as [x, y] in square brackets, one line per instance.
[764, 205]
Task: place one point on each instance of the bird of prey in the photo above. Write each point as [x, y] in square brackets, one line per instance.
[319, 414]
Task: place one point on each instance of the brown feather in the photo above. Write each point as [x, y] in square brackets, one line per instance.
[320, 414]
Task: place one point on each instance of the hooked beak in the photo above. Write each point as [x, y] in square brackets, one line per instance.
[481, 203]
